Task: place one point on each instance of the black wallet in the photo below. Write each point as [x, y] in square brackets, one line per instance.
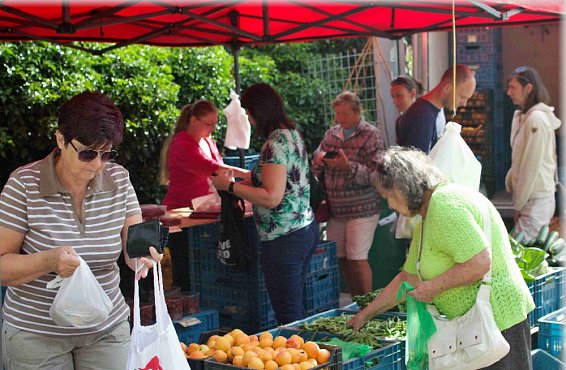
[144, 235]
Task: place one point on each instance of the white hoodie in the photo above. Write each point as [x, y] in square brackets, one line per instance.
[533, 155]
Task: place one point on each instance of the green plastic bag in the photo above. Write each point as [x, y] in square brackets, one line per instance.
[349, 349]
[420, 327]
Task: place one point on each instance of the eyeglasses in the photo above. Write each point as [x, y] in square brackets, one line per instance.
[87, 155]
[207, 123]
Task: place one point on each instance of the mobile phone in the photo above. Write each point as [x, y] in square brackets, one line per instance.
[331, 155]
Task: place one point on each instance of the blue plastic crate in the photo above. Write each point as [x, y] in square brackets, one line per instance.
[240, 306]
[323, 258]
[544, 361]
[548, 293]
[198, 323]
[322, 289]
[551, 332]
[388, 357]
[250, 160]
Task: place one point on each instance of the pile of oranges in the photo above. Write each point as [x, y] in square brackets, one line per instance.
[263, 352]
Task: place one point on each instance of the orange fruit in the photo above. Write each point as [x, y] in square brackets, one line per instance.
[323, 356]
[242, 339]
[183, 346]
[311, 348]
[237, 351]
[295, 354]
[236, 332]
[238, 361]
[305, 365]
[197, 355]
[266, 342]
[220, 356]
[284, 358]
[265, 355]
[299, 339]
[192, 347]
[265, 335]
[222, 344]
[247, 357]
[279, 342]
[296, 366]
[256, 363]
[288, 367]
[230, 338]
[302, 356]
[271, 365]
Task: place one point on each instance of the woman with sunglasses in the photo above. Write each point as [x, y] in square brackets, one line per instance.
[532, 176]
[189, 157]
[75, 202]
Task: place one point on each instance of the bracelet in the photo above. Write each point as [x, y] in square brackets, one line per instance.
[231, 187]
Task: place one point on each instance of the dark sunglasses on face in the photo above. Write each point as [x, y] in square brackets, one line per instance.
[87, 155]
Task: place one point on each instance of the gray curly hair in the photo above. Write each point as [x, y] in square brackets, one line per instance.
[409, 171]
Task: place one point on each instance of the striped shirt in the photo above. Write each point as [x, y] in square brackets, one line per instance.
[351, 194]
[35, 203]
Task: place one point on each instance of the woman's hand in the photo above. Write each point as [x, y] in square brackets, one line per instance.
[341, 161]
[424, 291]
[220, 181]
[63, 261]
[147, 263]
[357, 322]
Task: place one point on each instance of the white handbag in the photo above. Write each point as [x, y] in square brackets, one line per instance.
[471, 341]
[156, 346]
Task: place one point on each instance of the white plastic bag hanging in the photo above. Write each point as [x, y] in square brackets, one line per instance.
[155, 346]
[238, 130]
[452, 156]
[80, 302]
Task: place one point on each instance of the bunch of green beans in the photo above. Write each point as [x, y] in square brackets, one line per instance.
[371, 334]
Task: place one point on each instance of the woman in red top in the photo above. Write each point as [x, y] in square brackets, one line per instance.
[192, 156]
[189, 158]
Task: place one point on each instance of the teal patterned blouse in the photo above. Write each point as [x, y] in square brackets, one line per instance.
[286, 147]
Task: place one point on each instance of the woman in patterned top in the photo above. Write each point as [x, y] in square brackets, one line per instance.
[280, 192]
[74, 202]
[450, 254]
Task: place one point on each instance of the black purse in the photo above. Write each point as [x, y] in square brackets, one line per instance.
[144, 235]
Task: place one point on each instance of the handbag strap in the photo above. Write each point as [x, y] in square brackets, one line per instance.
[486, 230]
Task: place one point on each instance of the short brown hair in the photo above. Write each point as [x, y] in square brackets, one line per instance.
[348, 97]
[539, 94]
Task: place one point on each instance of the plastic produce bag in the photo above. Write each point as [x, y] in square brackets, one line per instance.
[238, 130]
[349, 349]
[420, 327]
[80, 302]
[452, 156]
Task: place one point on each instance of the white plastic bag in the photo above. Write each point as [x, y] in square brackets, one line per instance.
[238, 130]
[406, 226]
[80, 302]
[155, 346]
[209, 203]
[452, 156]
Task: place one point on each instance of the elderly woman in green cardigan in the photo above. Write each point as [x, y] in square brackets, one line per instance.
[454, 252]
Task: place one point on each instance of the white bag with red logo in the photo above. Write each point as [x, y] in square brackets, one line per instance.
[155, 347]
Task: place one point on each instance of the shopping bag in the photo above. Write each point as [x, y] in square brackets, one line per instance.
[233, 247]
[420, 327]
[80, 302]
[452, 156]
[155, 346]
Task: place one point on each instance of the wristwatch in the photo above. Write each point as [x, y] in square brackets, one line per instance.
[231, 187]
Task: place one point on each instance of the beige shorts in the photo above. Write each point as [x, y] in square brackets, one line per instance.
[353, 237]
[24, 350]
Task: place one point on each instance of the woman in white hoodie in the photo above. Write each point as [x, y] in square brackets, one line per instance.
[532, 175]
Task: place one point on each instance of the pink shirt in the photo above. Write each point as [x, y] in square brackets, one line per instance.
[189, 170]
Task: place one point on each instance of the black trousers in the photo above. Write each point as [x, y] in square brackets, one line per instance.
[179, 249]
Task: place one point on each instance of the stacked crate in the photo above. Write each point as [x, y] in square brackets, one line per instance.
[482, 50]
[240, 294]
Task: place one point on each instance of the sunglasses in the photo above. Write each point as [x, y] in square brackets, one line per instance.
[87, 155]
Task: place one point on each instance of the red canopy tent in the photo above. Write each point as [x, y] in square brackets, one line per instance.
[237, 22]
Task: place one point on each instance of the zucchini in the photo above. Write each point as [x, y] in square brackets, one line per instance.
[559, 250]
[542, 235]
[557, 246]
[552, 237]
[519, 238]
